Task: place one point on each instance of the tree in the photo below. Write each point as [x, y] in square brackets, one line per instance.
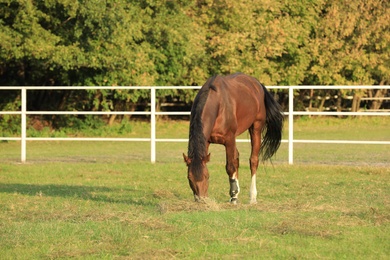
[148, 42]
[351, 46]
[264, 39]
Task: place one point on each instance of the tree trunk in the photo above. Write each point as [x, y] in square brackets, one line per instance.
[339, 101]
[111, 120]
[355, 103]
[311, 99]
[130, 107]
[377, 102]
[321, 108]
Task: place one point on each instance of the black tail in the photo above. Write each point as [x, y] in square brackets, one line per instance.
[272, 132]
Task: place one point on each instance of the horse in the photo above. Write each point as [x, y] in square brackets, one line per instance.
[225, 107]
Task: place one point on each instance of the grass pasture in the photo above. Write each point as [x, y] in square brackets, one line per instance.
[106, 201]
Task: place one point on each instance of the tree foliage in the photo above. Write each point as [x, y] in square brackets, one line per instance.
[150, 42]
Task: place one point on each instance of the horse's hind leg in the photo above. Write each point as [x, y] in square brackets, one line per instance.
[255, 133]
[232, 164]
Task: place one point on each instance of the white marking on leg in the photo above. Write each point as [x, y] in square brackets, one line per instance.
[253, 190]
[196, 198]
[234, 198]
[238, 186]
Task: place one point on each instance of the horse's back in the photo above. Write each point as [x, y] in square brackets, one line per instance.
[238, 86]
[241, 102]
[244, 92]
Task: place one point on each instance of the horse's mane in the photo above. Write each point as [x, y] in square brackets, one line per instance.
[197, 140]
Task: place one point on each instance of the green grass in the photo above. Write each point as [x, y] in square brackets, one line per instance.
[87, 210]
[328, 128]
[90, 200]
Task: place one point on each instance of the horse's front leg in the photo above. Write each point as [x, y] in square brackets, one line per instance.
[232, 164]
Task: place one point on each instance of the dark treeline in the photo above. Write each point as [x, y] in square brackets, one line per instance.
[165, 42]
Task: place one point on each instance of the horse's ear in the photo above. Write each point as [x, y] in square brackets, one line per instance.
[207, 158]
[187, 160]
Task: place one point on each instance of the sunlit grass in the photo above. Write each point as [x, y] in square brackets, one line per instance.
[328, 128]
[139, 210]
[105, 200]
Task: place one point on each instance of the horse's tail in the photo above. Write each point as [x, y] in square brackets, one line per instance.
[272, 132]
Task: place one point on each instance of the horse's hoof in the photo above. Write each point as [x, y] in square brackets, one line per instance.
[196, 198]
[234, 201]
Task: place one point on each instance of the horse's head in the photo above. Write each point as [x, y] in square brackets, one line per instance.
[198, 176]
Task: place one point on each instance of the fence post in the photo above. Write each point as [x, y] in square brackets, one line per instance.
[153, 125]
[290, 124]
[24, 125]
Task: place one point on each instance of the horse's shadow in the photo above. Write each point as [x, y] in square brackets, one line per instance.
[93, 193]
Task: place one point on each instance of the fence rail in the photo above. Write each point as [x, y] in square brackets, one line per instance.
[153, 113]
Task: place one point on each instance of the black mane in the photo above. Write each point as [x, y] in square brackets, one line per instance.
[197, 141]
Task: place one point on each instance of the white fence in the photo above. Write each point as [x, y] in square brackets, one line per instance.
[153, 113]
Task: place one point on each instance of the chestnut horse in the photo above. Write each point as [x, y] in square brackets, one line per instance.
[225, 107]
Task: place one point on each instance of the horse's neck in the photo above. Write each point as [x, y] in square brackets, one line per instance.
[209, 117]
